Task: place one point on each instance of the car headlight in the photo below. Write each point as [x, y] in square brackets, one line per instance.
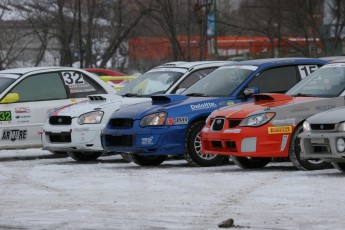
[306, 126]
[154, 119]
[257, 119]
[94, 117]
[341, 127]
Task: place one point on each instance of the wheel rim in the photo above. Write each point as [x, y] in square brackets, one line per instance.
[198, 147]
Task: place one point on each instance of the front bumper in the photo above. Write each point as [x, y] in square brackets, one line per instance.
[149, 140]
[72, 138]
[246, 142]
[322, 146]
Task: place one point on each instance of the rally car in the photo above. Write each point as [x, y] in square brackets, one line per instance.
[254, 133]
[28, 94]
[76, 128]
[171, 124]
[323, 136]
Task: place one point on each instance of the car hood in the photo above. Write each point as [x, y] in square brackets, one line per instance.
[284, 104]
[170, 103]
[97, 102]
[332, 116]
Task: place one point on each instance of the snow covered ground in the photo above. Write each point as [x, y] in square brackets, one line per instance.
[40, 191]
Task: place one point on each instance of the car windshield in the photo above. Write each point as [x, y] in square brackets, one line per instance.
[221, 82]
[5, 82]
[328, 81]
[152, 82]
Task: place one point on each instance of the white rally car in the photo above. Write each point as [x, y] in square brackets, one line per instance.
[28, 94]
[76, 128]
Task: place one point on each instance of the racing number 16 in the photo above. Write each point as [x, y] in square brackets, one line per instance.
[305, 70]
[72, 78]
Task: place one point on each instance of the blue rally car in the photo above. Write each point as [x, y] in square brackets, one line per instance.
[171, 124]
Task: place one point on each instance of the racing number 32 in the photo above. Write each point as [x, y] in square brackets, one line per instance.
[5, 116]
[72, 78]
[305, 70]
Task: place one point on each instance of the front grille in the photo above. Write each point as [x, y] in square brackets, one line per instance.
[60, 120]
[117, 123]
[219, 146]
[218, 124]
[322, 126]
[118, 141]
[234, 123]
[64, 137]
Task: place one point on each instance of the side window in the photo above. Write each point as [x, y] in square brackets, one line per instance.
[80, 85]
[41, 87]
[277, 80]
[194, 77]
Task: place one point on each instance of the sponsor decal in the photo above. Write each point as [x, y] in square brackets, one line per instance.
[279, 129]
[14, 134]
[299, 109]
[232, 131]
[181, 120]
[147, 140]
[321, 108]
[226, 103]
[170, 121]
[206, 105]
[22, 110]
[284, 141]
[5, 116]
[23, 117]
[288, 121]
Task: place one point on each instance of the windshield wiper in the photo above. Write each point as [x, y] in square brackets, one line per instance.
[131, 95]
[197, 95]
[303, 95]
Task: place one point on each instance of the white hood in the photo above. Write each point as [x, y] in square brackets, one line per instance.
[97, 102]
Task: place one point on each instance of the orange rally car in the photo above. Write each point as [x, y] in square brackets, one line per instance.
[253, 133]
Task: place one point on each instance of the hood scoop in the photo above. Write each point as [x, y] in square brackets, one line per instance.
[96, 98]
[162, 98]
[271, 97]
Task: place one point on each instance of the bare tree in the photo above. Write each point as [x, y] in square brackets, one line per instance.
[14, 37]
[335, 25]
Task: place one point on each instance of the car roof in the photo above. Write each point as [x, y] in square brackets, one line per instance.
[26, 70]
[279, 61]
[193, 64]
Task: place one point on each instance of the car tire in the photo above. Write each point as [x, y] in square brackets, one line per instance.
[126, 157]
[339, 166]
[251, 162]
[295, 155]
[147, 160]
[193, 148]
[84, 156]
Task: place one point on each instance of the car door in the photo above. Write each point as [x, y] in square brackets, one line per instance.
[38, 95]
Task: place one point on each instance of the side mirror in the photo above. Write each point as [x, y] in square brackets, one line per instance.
[250, 91]
[10, 98]
[180, 90]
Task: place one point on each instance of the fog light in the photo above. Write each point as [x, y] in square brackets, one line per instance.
[340, 145]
